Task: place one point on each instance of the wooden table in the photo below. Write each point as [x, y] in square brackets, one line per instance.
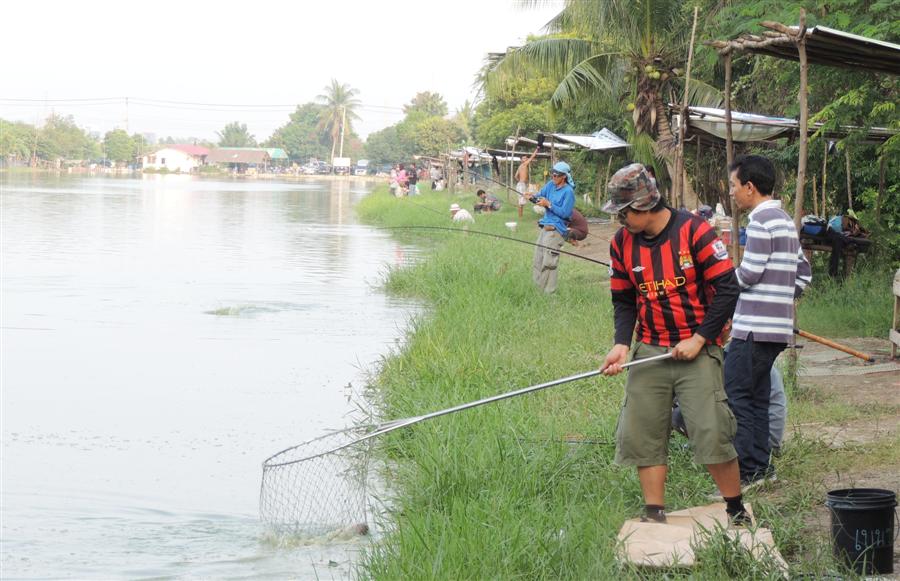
[852, 248]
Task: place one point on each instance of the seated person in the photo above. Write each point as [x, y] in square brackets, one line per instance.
[488, 203]
[460, 215]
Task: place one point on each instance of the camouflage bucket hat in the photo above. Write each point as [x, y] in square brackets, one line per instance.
[632, 187]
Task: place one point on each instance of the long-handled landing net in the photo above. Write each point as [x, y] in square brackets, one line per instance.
[319, 487]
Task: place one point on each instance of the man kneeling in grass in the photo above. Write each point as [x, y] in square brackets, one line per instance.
[672, 275]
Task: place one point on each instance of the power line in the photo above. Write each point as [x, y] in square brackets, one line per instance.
[165, 103]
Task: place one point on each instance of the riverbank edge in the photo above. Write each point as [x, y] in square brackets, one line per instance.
[430, 536]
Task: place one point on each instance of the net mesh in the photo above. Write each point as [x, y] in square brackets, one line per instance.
[319, 486]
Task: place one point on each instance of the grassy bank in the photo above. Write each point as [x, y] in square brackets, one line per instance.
[526, 488]
[860, 306]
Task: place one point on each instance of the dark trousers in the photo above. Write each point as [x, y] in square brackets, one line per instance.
[838, 241]
[747, 383]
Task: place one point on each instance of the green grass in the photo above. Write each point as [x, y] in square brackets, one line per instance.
[860, 306]
[494, 492]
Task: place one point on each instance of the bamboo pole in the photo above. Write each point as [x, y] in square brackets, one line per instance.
[824, 178]
[804, 121]
[880, 190]
[815, 196]
[849, 189]
[678, 183]
[729, 159]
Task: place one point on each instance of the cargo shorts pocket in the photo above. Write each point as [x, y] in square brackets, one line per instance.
[726, 416]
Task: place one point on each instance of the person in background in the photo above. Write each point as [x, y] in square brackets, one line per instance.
[773, 272]
[557, 198]
[457, 214]
[488, 203]
[412, 179]
[671, 275]
[522, 179]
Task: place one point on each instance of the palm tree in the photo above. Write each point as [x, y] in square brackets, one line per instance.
[615, 54]
[340, 107]
[464, 117]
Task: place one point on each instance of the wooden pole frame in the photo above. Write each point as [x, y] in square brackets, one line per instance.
[729, 159]
[678, 181]
[804, 122]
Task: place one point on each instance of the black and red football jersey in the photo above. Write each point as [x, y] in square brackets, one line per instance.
[669, 277]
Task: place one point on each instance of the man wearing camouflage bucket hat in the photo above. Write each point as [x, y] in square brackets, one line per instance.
[670, 274]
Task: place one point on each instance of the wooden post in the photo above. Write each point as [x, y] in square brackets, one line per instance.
[824, 180]
[678, 181]
[880, 191]
[605, 178]
[804, 121]
[729, 159]
[849, 190]
[815, 196]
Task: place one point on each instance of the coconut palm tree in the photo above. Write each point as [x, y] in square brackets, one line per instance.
[340, 107]
[614, 54]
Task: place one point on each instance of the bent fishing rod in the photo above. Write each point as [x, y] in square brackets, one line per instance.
[502, 237]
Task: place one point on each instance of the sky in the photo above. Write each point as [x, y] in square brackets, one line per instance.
[187, 68]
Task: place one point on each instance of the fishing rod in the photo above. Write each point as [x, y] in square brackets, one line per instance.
[499, 183]
[393, 425]
[517, 193]
[458, 230]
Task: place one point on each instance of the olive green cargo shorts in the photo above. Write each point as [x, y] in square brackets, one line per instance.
[645, 421]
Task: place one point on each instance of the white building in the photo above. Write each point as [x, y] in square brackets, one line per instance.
[176, 158]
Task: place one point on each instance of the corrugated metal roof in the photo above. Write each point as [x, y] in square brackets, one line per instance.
[753, 127]
[276, 153]
[237, 155]
[825, 46]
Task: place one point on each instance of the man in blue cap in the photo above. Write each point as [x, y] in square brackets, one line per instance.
[557, 198]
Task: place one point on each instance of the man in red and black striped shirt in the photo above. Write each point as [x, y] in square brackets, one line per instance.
[671, 275]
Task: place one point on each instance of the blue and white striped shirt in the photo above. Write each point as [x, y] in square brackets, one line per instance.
[773, 271]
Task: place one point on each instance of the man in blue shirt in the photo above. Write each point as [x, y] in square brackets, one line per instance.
[557, 197]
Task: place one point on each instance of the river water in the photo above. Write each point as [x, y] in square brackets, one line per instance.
[160, 337]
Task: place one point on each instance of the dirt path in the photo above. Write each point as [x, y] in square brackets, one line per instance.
[872, 392]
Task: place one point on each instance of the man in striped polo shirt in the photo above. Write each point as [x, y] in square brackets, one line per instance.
[671, 275]
[772, 273]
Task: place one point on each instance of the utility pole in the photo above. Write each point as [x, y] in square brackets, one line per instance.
[126, 115]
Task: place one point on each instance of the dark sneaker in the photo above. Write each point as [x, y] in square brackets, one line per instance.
[740, 518]
[654, 515]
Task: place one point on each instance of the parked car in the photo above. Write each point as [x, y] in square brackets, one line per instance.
[362, 167]
[323, 168]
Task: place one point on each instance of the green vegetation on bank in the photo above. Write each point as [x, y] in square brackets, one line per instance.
[859, 306]
[526, 488]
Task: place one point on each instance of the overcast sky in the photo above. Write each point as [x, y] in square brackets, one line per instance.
[271, 53]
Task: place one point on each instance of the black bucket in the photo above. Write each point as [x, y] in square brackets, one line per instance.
[862, 528]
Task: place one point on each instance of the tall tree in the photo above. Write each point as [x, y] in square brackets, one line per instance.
[118, 146]
[340, 108]
[236, 135]
[302, 136]
[428, 103]
[60, 138]
[621, 53]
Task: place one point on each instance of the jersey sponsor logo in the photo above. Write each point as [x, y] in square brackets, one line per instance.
[719, 250]
[659, 287]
